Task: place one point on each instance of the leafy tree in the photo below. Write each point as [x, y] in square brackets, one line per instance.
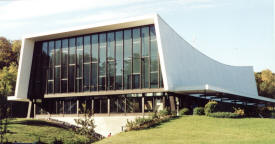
[8, 79]
[6, 54]
[16, 47]
[87, 125]
[9, 51]
[266, 83]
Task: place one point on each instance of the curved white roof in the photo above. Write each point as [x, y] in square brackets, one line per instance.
[184, 68]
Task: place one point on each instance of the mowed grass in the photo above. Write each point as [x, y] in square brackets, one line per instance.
[201, 130]
[28, 131]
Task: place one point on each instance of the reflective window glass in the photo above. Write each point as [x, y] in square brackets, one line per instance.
[111, 46]
[119, 59]
[127, 59]
[45, 54]
[57, 80]
[94, 77]
[86, 77]
[64, 58]
[145, 41]
[145, 72]
[57, 52]
[51, 53]
[111, 75]
[72, 51]
[71, 78]
[95, 48]
[87, 48]
[79, 56]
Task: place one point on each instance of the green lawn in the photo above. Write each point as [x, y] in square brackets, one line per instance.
[202, 130]
[28, 130]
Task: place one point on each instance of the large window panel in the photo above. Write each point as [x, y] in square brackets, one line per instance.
[127, 59]
[145, 41]
[64, 61]
[87, 48]
[111, 75]
[113, 105]
[111, 46]
[51, 53]
[79, 56]
[86, 77]
[45, 54]
[119, 59]
[94, 48]
[72, 51]
[145, 72]
[50, 87]
[133, 104]
[64, 84]
[102, 63]
[57, 52]
[57, 80]
[71, 78]
[103, 105]
[96, 105]
[79, 63]
[93, 79]
[154, 64]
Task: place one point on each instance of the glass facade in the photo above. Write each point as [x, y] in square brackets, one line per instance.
[112, 60]
[130, 103]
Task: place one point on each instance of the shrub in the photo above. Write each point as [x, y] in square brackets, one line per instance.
[198, 111]
[163, 113]
[184, 111]
[265, 112]
[224, 115]
[239, 111]
[210, 107]
[57, 141]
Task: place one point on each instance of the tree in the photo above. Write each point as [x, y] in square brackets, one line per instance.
[6, 54]
[16, 47]
[87, 125]
[9, 52]
[266, 83]
[4, 113]
[8, 79]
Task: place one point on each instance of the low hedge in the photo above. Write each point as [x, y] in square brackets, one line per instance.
[198, 111]
[224, 115]
[143, 123]
[210, 107]
[184, 111]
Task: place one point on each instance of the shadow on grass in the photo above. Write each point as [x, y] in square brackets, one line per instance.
[37, 123]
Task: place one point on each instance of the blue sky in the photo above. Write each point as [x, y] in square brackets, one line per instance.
[234, 32]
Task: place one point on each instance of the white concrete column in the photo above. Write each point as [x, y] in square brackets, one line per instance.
[142, 99]
[108, 104]
[77, 108]
[29, 109]
[34, 110]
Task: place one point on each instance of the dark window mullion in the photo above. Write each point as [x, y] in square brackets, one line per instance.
[53, 66]
[132, 59]
[75, 63]
[106, 61]
[141, 59]
[98, 61]
[115, 61]
[90, 70]
[82, 88]
[47, 67]
[122, 59]
[149, 59]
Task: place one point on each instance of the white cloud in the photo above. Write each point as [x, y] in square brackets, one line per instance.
[16, 10]
[23, 9]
